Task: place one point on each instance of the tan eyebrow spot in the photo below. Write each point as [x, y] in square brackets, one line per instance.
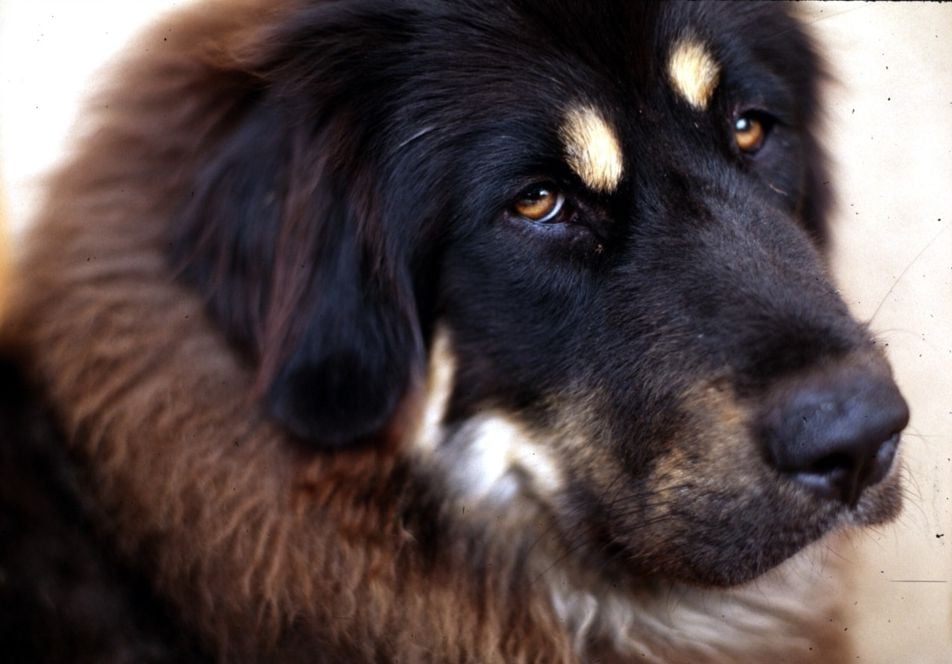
[591, 148]
[693, 72]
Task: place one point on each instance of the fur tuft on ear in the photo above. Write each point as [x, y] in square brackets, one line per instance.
[280, 233]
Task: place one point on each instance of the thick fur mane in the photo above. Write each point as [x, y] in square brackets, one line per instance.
[269, 550]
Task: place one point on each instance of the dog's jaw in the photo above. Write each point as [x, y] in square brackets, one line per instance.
[506, 487]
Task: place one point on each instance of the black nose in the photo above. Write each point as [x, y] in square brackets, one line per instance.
[836, 434]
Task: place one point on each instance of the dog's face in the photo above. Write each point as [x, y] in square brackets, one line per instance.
[588, 238]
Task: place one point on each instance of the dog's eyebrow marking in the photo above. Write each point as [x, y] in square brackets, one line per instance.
[591, 148]
[693, 71]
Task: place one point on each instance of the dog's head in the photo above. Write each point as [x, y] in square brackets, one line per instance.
[586, 236]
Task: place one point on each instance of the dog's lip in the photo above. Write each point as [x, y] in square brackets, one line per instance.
[722, 561]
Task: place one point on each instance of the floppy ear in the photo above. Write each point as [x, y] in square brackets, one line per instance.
[281, 235]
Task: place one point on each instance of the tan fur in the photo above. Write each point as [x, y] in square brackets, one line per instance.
[693, 72]
[592, 149]
[439, 385]
[272, 553]
[672, 623]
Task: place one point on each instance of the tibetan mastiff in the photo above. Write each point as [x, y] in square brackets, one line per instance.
[415, 331]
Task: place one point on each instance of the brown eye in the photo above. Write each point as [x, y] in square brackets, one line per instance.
[541, 203]
[749, 133]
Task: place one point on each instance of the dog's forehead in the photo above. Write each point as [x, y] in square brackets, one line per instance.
[590, 140]
[594, 92]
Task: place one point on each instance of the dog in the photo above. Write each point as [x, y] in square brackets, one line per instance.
[452, 332]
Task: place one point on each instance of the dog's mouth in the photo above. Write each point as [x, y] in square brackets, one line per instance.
[711, 532]
[721, 518]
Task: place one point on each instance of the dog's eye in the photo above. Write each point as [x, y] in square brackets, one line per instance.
[539, 203]
[750, 132]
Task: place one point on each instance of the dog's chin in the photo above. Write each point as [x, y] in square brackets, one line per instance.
[721, 551]
[745, 562]
[880, 504]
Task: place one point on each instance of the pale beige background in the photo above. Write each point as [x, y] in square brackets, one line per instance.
[890, 134]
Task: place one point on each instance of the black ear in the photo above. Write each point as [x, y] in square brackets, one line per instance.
[281, 236]
[353, 360]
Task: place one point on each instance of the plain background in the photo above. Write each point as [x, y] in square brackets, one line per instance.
[890, 134]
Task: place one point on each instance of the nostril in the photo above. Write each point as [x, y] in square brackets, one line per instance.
[844, 476]
[830, 463]
[836, 435]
